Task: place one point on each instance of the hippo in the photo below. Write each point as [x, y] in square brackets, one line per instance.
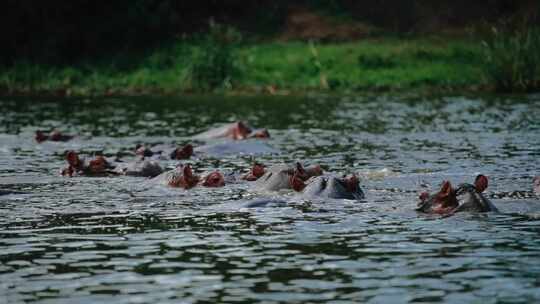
[178, 153]
[236, 131]
[96, 167]
[282, 176]
[53, 136]
[183, 177]
[536, 185]
[333, 187]
[142, 167]
[255, 173]
[465, 197]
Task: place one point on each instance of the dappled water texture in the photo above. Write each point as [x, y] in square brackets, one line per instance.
[124, 240]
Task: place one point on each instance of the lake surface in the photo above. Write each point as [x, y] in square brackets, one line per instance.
[126, 240]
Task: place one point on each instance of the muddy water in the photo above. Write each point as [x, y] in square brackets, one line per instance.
[124, 239]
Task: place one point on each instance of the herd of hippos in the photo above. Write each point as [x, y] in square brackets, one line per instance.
[309, 181]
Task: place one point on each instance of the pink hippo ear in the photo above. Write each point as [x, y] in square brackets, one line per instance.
[481, 183]
[446, 189]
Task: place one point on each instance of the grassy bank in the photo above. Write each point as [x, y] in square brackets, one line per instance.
[386, 64]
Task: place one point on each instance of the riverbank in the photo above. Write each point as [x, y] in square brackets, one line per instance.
[368, 65]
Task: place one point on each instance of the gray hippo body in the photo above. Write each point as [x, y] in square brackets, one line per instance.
[144, 168]
[331, 187]
[276, 178]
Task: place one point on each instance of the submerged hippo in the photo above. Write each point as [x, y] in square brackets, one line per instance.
[236, 131]
[183, 177]
[536, 185]
[282, 176]
[142, 167]
[178, 153]
[95, 167]
[334, 187]
[465, 197]
[53, 136]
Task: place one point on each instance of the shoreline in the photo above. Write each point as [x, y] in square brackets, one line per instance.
[375, 65]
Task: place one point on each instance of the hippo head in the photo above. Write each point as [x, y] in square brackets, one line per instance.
[470, 196]
[300, 175]
[143, 151]
[56, 136]
[334, 187]
[256, 171]
[261, 133]
[40, 136]
[182, 153]
[441, 202]
[536, 185]
[214, 179]
[183, 177]
[239, 130]
[73, 160]
[98, 165]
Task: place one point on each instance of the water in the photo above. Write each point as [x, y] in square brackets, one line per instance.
[124, 240]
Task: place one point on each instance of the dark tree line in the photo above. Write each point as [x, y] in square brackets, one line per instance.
[61, 31]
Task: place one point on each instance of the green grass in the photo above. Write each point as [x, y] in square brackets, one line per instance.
[387, 64]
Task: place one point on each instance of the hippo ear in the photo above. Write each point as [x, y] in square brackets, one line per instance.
[73, 158]
[481, 183]
[446, 188]
[187, 171]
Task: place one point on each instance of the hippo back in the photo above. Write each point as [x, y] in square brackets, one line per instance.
[275, 178]
[146, 168]
[331, 187]
[166, 177]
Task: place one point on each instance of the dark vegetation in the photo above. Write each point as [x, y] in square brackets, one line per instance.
[140, 46]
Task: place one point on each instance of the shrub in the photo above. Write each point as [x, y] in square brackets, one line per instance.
[213, 63]
[374, 62]
[512, 59]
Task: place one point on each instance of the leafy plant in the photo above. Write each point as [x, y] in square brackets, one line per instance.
[213, 64]
[512, 59]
